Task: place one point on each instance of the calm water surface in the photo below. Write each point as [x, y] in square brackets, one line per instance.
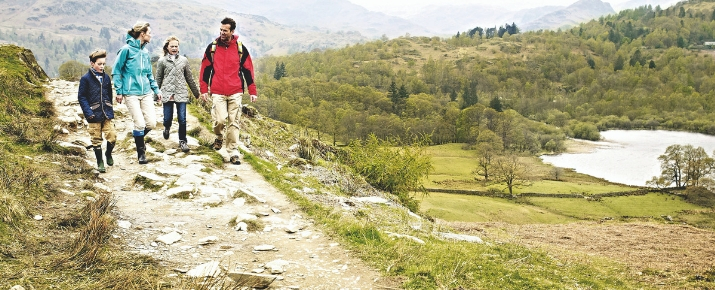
[628, 157]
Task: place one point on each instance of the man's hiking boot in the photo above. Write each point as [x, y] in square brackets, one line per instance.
[235, 160]
[184, 147]
[166, 133]
[218, 143]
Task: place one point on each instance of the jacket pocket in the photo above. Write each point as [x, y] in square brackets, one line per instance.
[94, 106]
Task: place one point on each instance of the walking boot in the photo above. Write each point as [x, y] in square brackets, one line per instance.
[108, 154]
[100, 162]
[182, 138]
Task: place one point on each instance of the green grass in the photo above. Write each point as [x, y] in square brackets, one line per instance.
[548, 210]
[652, 205]
[469, 208]
[450, 265]
[585, 188]
[454, 167]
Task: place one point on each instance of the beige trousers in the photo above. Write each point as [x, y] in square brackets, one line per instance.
[106, 127]
[142, 110]
[222, 108]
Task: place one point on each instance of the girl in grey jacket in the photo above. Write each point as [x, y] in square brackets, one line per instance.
[172, 74]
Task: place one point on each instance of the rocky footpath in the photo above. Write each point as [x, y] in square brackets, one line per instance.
[198, 220]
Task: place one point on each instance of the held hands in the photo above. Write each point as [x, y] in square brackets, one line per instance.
[119, 98]
[204, 97]
[157, 100]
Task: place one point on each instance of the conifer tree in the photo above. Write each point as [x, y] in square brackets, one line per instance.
[495, 104]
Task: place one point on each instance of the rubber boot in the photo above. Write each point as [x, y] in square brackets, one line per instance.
[108, 154]
[141, 147]
[100, 162]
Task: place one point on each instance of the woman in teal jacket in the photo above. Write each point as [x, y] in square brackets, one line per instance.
[134, 81]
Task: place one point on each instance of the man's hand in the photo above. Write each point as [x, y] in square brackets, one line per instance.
[204, 97]
[253, 98]
[120, 98]
[157, 101]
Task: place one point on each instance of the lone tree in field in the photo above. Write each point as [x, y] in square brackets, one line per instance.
[683, 166]
[489, 146]
[511, 171]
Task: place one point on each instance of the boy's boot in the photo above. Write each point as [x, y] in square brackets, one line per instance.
[108, 154]
[100, 162]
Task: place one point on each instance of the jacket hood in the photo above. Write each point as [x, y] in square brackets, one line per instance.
[133, 42]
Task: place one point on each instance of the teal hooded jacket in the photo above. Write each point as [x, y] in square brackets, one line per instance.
[132, 73]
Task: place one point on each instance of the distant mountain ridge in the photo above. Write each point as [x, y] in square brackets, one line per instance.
[464, 17]
[61, 30]
[572, 15]
[335, 15]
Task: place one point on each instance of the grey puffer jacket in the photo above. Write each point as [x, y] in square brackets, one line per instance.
[172, 75]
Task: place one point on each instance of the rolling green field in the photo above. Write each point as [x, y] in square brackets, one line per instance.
[549, 210]
[454, 167]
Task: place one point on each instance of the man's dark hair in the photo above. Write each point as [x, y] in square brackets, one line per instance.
[229, 21]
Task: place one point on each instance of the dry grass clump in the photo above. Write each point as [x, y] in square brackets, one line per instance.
[98, 225]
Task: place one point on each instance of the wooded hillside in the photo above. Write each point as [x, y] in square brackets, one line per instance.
[645, 68]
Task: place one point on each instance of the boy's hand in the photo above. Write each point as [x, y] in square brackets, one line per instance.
[120, 98]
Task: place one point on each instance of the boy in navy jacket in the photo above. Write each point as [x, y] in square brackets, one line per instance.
[95, 98]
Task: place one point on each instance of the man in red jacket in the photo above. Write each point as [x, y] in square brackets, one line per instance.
[226, 72]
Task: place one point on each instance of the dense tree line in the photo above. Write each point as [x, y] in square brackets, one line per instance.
[639, 69]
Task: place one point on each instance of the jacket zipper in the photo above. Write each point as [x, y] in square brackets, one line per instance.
[101, 95]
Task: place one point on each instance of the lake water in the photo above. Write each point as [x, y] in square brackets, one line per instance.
[628, 157]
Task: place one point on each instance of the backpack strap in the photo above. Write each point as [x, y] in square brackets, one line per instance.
[239, 45]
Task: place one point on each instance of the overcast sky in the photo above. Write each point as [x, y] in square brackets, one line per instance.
[397, 7]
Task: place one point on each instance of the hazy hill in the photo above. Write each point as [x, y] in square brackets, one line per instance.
[453, 18]
[637, 3]
[333, 15]
[581, 11]
[58, 31]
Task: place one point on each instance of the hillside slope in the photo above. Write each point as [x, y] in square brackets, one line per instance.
[333, 15]
[58, 31]
[578, 12]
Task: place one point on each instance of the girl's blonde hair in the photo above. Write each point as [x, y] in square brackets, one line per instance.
[166, 43]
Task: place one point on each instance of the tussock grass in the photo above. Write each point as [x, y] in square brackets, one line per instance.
[12, 210]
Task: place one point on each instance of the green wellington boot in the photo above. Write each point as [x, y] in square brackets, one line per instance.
[100, 162]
